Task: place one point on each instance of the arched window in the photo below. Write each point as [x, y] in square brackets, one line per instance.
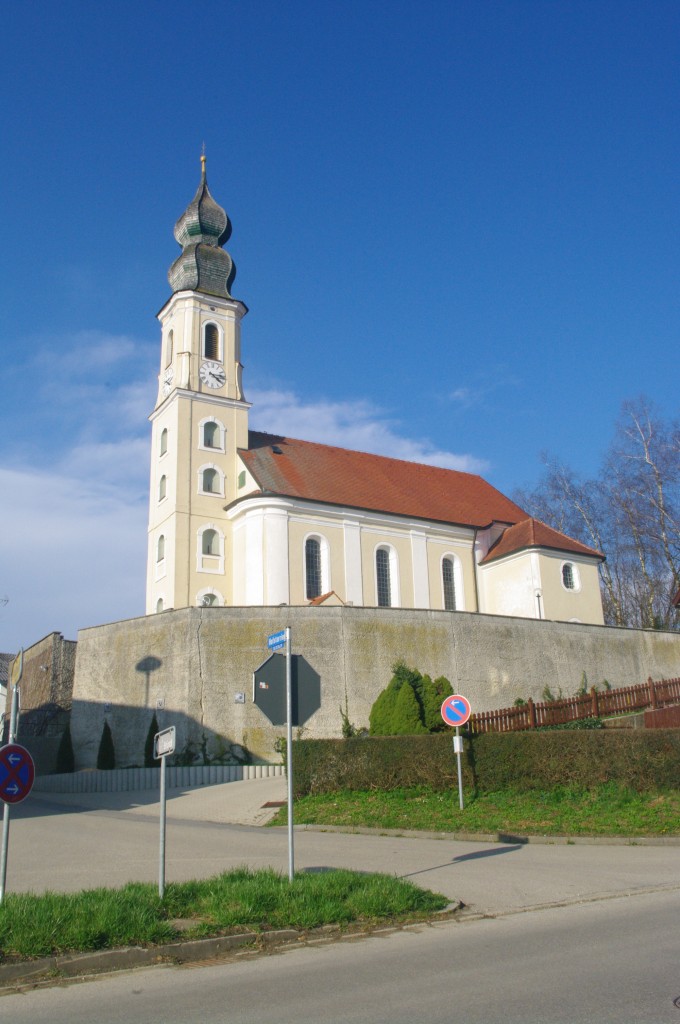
[160, 548]
[211, 435]
[168, 348]
[313, 578]
[159, 604]
[210, 551]
[210, 481]
[210, 542]
[209, 598]
[570, 576]
[449, 584]
[162, 488]
[164, 441]
[211, 342]
[383, 578]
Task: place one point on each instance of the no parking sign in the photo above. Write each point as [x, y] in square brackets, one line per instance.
[17, 773]
[455, 711]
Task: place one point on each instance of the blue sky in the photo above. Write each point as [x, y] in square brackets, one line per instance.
[456, 226]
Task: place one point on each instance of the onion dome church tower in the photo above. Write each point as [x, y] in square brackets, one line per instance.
[201, 417]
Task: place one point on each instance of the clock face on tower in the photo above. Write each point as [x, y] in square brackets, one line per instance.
[167, 380]
[212, 374]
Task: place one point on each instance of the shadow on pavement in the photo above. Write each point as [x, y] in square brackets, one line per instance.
[477, 855]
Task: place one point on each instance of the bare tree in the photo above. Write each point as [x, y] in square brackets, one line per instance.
[630, 512]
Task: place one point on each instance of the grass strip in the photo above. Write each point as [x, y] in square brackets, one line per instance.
[41, 925]
[608, 810]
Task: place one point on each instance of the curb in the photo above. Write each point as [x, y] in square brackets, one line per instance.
[496, 837]
[54, 969]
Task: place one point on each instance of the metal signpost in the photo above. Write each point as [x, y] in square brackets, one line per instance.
[274, 642]
[455, 711]
[17, 770]
[164, 744]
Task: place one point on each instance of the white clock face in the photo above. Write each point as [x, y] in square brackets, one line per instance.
[167, 380]
[212, 374]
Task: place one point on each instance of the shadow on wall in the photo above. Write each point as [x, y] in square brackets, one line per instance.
[130, 739]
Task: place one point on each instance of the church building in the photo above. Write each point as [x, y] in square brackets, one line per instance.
[244, 518]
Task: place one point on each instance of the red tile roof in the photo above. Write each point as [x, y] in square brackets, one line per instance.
[532, 533]
[338, 476]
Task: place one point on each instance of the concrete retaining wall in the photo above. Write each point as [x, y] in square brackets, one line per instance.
[191, 667]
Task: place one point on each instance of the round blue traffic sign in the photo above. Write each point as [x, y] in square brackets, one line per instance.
[456, 710]
[17, 773]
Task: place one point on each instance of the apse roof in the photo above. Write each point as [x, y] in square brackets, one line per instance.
[532, 533]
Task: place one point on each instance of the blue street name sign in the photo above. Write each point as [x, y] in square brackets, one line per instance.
[276, 640]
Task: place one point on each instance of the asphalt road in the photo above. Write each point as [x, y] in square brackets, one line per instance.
[54, 846]
[613, 960]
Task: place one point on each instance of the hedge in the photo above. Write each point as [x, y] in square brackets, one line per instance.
[640, 759]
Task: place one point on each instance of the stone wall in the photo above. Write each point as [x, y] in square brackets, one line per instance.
[190, 666]
[46, 690]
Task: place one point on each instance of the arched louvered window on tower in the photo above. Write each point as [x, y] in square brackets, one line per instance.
[449, 584]
[164, 441]
[160, 549]
[169, 348]
[211, 342]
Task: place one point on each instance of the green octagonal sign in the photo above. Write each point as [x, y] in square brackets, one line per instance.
[269, 689]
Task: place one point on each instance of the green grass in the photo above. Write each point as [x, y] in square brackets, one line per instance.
[610, 810]
[40, 925]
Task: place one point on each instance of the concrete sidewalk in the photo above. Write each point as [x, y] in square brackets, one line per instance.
[228, 803]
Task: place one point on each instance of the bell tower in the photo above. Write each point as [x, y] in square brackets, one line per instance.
[200, 419]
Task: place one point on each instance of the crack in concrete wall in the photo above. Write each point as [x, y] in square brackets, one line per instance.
[201, 692]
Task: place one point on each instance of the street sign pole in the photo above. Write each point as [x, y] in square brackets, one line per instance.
[458, 747]
[289, 748]
[455, 711]
[5, 813]
[161, 852]
[164, 744]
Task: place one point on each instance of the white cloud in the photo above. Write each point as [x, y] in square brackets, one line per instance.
[122, 464]
[359, 425]
[73, 554]
[469, 395]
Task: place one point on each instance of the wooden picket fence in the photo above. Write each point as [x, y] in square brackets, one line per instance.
[596, 704]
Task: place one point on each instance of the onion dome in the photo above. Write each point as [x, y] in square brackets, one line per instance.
[203, 266]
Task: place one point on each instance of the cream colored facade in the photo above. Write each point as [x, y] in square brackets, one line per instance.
[217, 536]
[269, 538]
[529, 584]
[196, 431]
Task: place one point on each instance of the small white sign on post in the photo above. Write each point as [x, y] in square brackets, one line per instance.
[164, 744]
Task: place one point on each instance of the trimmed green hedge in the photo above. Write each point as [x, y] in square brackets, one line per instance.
[640, 759]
